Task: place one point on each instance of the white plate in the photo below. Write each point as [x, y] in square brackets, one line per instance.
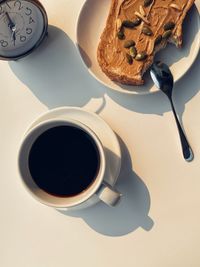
[91, 22]
[102, 130]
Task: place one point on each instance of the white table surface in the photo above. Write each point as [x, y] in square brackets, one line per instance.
[158, 221]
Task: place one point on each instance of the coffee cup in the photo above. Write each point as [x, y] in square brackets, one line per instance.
[62, 164]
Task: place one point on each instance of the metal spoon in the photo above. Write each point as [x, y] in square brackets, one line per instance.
[163, 79]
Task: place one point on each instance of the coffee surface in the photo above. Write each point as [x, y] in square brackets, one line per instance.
[64, 161]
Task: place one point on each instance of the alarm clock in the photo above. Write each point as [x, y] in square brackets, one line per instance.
[23, 26]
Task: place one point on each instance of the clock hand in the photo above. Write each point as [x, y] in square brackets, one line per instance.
[14, 35]
[11, 24]
[12, 27]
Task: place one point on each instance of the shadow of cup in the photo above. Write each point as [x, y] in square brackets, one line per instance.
[129, 214]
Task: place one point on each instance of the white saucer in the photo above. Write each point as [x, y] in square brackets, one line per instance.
[90, 25]
[102, 130]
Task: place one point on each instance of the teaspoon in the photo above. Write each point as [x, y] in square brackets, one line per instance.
[163, 79]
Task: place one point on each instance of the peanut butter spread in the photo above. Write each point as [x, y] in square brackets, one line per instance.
[159, 21]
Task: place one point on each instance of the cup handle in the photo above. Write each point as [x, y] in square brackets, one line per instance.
[108, 195]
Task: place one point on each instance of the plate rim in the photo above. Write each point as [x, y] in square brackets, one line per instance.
[126, 91]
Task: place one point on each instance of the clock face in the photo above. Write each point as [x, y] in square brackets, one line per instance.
[22, 25]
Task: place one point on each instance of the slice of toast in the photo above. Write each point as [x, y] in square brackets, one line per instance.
[135, 30]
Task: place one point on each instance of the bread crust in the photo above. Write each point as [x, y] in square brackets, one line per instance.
[110, 32]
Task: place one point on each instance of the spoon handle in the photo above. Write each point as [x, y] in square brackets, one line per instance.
[187, 151]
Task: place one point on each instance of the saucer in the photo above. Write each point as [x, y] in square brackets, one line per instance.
[102, 130]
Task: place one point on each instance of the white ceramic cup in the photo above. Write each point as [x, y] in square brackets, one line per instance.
[98, 190]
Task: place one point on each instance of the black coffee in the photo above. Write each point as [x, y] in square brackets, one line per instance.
[64, 161]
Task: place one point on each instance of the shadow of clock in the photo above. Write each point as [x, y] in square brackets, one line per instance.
[55, 74]
[129, 214]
